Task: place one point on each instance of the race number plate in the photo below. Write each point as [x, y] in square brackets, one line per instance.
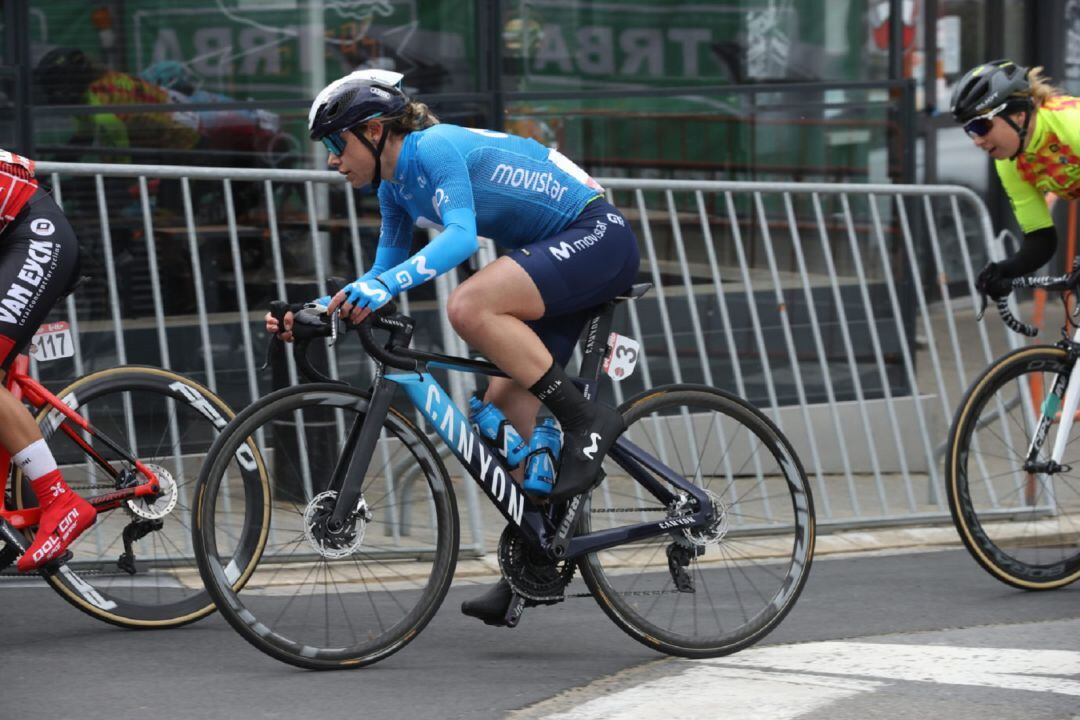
[52, 342]
[622, 359]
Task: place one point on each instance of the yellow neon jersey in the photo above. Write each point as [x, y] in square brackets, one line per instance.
[1051, 163]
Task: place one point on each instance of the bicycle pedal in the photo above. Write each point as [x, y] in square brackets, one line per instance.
[514, 610]
[53, 566]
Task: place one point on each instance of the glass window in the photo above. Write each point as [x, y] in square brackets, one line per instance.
[577, 45]
[1015, 39]
[154, 53]
[964, 43]
[1071, 80]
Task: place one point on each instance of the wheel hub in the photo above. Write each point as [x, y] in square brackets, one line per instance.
[713, 533]
[155, 508]
[331, 542]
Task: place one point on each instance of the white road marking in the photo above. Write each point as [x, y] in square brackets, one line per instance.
[717, 692]
[787, 681]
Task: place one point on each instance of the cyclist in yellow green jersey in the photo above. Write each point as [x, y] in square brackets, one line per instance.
[1032, 131]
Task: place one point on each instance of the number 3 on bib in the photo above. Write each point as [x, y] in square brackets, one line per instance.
[623, 357]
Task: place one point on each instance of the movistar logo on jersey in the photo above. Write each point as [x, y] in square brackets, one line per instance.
[535, 180]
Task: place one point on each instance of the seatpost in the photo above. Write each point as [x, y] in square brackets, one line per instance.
[596, 346]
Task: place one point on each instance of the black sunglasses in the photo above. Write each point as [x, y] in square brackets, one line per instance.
[981, 125]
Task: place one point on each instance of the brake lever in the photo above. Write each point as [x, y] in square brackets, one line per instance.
[982, 308]
[270, 351]
[334, 316]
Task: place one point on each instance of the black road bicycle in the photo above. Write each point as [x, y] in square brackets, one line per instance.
[697, 543]
[1013, 465]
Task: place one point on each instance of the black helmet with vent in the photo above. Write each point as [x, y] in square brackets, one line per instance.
[352, 101]
[999, 88]
[988, 86]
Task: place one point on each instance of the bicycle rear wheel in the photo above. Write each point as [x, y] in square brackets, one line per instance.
[1023, 528]
[319, 598]
[168, 422]
[710, 592]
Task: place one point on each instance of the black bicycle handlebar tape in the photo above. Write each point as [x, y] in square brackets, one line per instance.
[1010, 320]
[308, 324]
[278, 309]
[377, 351]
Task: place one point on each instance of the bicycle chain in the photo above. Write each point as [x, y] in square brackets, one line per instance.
[633, 592]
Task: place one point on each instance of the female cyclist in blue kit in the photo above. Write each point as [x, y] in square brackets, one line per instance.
[568, 250]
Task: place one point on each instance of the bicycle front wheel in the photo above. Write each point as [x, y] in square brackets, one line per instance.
[325, 596]
[710, 591]
[168, 422]
[1022, 527]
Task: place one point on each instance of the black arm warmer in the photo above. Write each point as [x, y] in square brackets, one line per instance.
[1036, 250]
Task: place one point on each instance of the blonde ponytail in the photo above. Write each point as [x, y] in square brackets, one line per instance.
[1041, 89]
[417, 116]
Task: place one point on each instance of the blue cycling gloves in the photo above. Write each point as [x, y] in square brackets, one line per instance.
[370, 293]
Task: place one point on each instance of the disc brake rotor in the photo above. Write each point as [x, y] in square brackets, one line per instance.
[330, 544]
[717, 530]
[163, 504]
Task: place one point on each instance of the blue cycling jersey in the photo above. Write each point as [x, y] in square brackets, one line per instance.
[472, 182]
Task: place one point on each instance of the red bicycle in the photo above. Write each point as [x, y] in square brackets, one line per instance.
[131, 440]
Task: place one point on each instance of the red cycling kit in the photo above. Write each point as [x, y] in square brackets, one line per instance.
[39, 255]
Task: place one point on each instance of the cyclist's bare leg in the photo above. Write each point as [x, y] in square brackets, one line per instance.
[489, 311]
[516, 402]
[64, 514]
[17, 426]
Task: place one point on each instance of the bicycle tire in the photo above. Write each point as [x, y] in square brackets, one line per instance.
[351, 595]
[764, 542]
[166, 592]
[1022, 528]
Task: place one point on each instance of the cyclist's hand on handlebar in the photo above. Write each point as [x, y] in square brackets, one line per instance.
[360, 298]
[272, 326]
[991, 282]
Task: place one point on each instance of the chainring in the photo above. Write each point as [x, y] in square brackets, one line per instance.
[8, 555]
[530, 573]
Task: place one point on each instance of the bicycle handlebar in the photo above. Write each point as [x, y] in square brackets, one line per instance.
[1011, 321]
[311, 322]
[1056, 283]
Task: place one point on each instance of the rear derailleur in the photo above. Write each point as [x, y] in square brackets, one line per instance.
[135, 530]
[678, 559]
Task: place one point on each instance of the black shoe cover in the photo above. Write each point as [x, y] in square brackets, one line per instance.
[583, 453]
[491, 607]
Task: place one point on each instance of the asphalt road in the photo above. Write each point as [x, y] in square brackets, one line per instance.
[58, 663]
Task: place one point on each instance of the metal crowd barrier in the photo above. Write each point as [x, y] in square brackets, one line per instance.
[845, 311]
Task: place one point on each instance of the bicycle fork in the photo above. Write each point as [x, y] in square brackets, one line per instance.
[1069, 387]
[357, 451]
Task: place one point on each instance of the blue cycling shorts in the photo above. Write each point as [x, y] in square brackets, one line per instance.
[591, 261]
